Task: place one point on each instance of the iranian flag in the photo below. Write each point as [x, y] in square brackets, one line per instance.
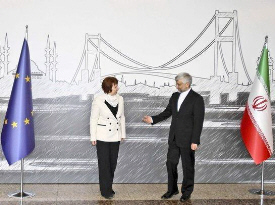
[256, 125]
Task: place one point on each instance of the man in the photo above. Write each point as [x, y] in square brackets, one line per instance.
[187, 110]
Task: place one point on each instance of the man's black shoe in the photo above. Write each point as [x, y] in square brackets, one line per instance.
[108, 197]
[185, 197]
[168, 195]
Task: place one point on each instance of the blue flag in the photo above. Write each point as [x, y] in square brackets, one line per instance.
[17, 136]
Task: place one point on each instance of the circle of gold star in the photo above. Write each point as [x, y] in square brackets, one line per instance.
[28, 79]
[17, 75]
[14, 124]
[27, 121]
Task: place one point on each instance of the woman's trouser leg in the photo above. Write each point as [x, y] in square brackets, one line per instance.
[114, 149]
[104, 167]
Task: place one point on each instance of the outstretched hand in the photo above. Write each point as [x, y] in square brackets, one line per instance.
[147, 119]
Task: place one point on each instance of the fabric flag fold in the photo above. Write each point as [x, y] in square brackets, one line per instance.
[17, 137]
[256, 124]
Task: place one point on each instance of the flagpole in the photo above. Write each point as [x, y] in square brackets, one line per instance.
[22, 194]
[22, 171]
[261, 191]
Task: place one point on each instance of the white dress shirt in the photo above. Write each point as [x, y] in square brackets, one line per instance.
[182, 97]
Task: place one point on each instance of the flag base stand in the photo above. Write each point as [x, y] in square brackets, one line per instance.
[262, 192]
[21, 195]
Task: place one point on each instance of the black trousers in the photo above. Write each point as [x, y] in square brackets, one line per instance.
[107, 154]
[188, 168]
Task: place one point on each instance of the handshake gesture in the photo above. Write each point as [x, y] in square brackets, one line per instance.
[147, 119]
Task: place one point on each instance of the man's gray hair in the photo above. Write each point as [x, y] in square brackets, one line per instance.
[185, 77]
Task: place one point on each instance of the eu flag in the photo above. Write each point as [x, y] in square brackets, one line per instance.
[17, 136]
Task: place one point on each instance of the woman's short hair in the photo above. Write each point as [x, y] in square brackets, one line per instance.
[108, 83]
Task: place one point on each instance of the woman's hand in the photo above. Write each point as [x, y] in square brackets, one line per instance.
[93, 143]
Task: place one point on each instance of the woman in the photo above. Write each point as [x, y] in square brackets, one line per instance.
[107, 127]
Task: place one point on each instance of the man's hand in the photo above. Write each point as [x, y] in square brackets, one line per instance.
[147, 119]
[122, 139]
[194, 146]
[93, 143]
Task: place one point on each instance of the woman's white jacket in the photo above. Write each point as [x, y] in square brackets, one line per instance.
[104, 126]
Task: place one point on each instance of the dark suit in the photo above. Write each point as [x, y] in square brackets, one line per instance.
[185, 129]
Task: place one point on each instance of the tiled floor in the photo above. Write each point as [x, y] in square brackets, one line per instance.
[69, 194]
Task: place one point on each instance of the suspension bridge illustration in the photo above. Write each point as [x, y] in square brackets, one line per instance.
[89, 68]
[58, 102]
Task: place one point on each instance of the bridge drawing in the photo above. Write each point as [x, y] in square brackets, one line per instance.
[58, 102]
[226, 31]
[218, 41]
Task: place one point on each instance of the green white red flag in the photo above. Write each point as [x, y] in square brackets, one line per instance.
[256, 125]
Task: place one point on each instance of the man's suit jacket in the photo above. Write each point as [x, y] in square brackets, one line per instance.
[187, 123]
[104, 126]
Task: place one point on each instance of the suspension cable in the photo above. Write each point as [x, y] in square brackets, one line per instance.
[191, 44]
[125, 56]
[241, 53]
[114, 60]
[202, 51]
[162, 68]
[223, 61]
[157, 68]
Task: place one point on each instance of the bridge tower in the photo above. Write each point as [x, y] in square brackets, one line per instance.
[89, 66]
[91, 71]
[219, 38]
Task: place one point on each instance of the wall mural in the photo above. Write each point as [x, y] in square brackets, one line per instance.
[63, 153]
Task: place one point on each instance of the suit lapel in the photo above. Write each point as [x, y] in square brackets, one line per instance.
[110, 112]
[186, 100]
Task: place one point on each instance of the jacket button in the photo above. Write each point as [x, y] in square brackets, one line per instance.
[109, 130]
[108, 118]
[110, 123]
[117, 129]
[117, 123]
